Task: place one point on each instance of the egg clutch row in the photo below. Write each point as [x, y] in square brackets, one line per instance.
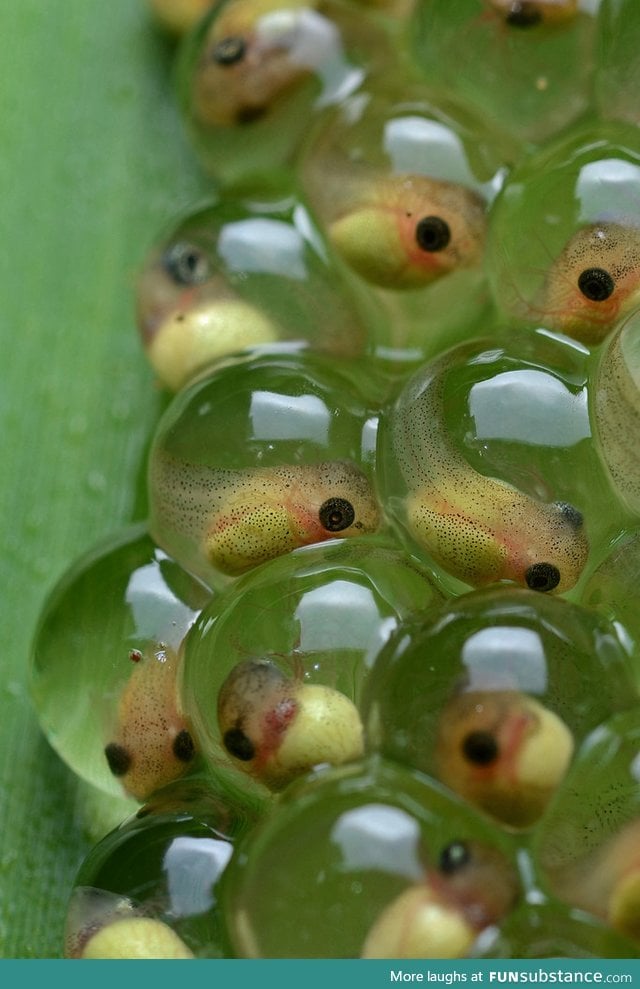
[479, 741]
[371, 664]
[417, 177]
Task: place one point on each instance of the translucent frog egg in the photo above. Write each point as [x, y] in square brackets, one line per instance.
[486, 463]
[149, 888]
[615, 405]
[617, 73]
[240, 273]
[104, 664]
[564, 244]
[587, 846]
[389, 866]
[401, 185]
[273, 675]
[255, 73]
[525, 67]
[265, 453]
[493, 695]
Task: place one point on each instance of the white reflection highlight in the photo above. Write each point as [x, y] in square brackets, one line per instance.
[419, 146]
[287, 417]
[157, 613]
[193, 867]
[379, 837]
[312, 42]
[608, 191]
[355, 621]
[260, 245]
[422, 146]
[505, 658]
[531, 407]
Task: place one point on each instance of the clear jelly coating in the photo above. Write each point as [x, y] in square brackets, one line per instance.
[553, 930]
[238, 273]
[162, 866]
[617, 72]
[615, 403]
[611, 590]
[524, 66]
[493, 695]
[587, 845]
[564, 243]
[367, 861]
[104, 663]
[486, 463]
[255, 73]
[264, 454]
[273, 673]
[401, 184]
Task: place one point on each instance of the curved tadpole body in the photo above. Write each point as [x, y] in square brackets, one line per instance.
[404, 231]
[531, 13]
[504, 752]
[254, 52]
[233, 520]
[480, 529]
[277, 727]
[616, 400]
[150, 745]
[471, 887]
[594, 281]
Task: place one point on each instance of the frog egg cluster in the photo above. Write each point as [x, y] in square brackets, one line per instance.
[385, 598]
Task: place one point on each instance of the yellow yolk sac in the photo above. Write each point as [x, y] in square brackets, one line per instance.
[233, 520]
[187, 341]
[178, 16]
[479, 529]
[101, 924]
[504, 752]
[471, 888]
[406, 231]
[276, 727]
[136, 937]
[418, 925]
[151, 744]
[255, 51]
[616, 403]
[593, 282]
[530, 13]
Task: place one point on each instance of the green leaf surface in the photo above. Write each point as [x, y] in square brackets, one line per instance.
[93, 163]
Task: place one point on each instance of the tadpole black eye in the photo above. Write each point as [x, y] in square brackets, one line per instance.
[523, 14]
[542, 576]
[118, 758]
[455, 856]
[596, 284]
[186, 264]
[229, 51]
[480, 748]
[183, 747]
[432, 233]
[336, 514]
[238, 744]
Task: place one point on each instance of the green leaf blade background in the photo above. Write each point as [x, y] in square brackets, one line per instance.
[93, 164]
